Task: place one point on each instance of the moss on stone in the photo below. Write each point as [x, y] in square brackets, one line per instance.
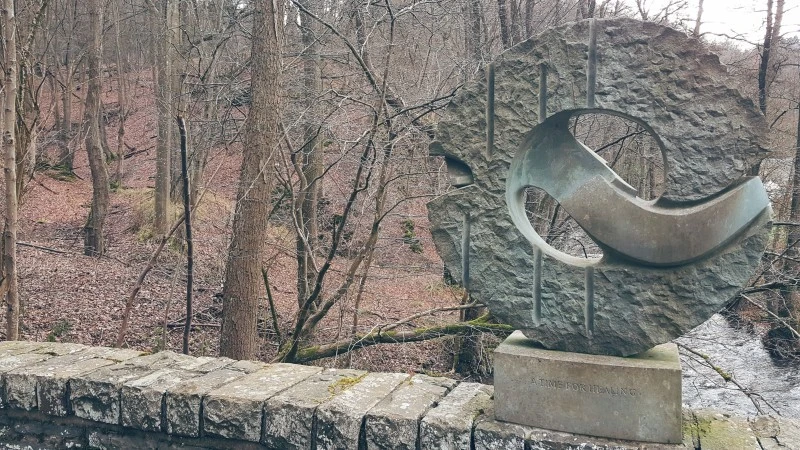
[345, 383]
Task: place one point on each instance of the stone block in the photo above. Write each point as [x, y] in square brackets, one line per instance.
[539, 439]
[11, 348]
[96, 395]
[394, 422]
[51, 389]
[17, 354]
[448, 426]
[718, 431]
[340, 421]
[491, 434]
[12, 362]
[289, 416]
[141, 400]
[22, 385]
[184, 400]
[636, 398]
[776, 433]
[235, 410]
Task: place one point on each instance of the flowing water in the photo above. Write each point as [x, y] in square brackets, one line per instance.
[774, 385]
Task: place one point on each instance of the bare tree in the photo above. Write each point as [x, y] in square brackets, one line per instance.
[772, 33]
[505, 32]
[122, 99]
[698, 21]
[163, 72]
[94, 239]
[311, 154]
[9, 116]
[240, 292]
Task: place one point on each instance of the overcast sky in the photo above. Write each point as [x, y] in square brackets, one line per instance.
[743, 18]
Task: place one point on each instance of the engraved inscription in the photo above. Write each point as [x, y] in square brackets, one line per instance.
[587, 388]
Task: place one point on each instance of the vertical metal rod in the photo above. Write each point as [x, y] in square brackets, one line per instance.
[490, 109]
[588, 309]
[591, 69]
[537, 252]
[465, 237]
[542, 92]
[537, 286]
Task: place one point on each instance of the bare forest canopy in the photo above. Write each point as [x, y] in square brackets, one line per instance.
[249, 178]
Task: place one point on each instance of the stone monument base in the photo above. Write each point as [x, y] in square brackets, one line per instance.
[636, 398]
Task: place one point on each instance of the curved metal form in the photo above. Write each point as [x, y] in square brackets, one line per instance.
[655, 233]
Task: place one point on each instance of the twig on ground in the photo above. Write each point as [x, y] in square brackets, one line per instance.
[39, 247]
[194, 325]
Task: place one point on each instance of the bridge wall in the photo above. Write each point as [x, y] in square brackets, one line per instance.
[57, 396]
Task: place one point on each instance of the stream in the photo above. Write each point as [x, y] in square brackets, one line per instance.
[775, 385]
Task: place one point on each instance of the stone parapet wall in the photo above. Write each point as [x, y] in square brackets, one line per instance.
[72, 396]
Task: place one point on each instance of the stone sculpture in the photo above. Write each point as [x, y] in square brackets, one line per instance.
[667, 265]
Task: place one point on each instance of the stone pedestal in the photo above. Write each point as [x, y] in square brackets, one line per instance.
[636, 398]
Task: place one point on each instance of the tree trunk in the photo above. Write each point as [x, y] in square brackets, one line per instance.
[515, 20]
[66, 156]
[764, 63]
[163, 104]
[242, 272]
[699, 21]
[312, 154]
[66, 88]
[122, 98]
[771, 37]
[10, 169]
[472, 38]
[529, 5]
[502, 12]
[93, 240]
[173, 24]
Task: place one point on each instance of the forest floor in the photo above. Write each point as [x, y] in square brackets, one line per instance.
[69, 297]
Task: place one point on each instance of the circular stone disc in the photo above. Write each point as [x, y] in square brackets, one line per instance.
[709, 134]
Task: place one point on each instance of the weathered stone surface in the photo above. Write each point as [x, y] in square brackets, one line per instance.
[141, 399]
[776, 433]
[555, 440]
[235, 410]
[43, 385]
[96, 395]
[340, 421]
[183, 401]
[710, 136]
[491, 434]
[17, 355]
[51, 389]
[540, 439]
[128, 440]
[394, 422]
[636, 398]
[289, 416]
[58, 348]
[717, 431]
[448, 426]
[11, 348]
